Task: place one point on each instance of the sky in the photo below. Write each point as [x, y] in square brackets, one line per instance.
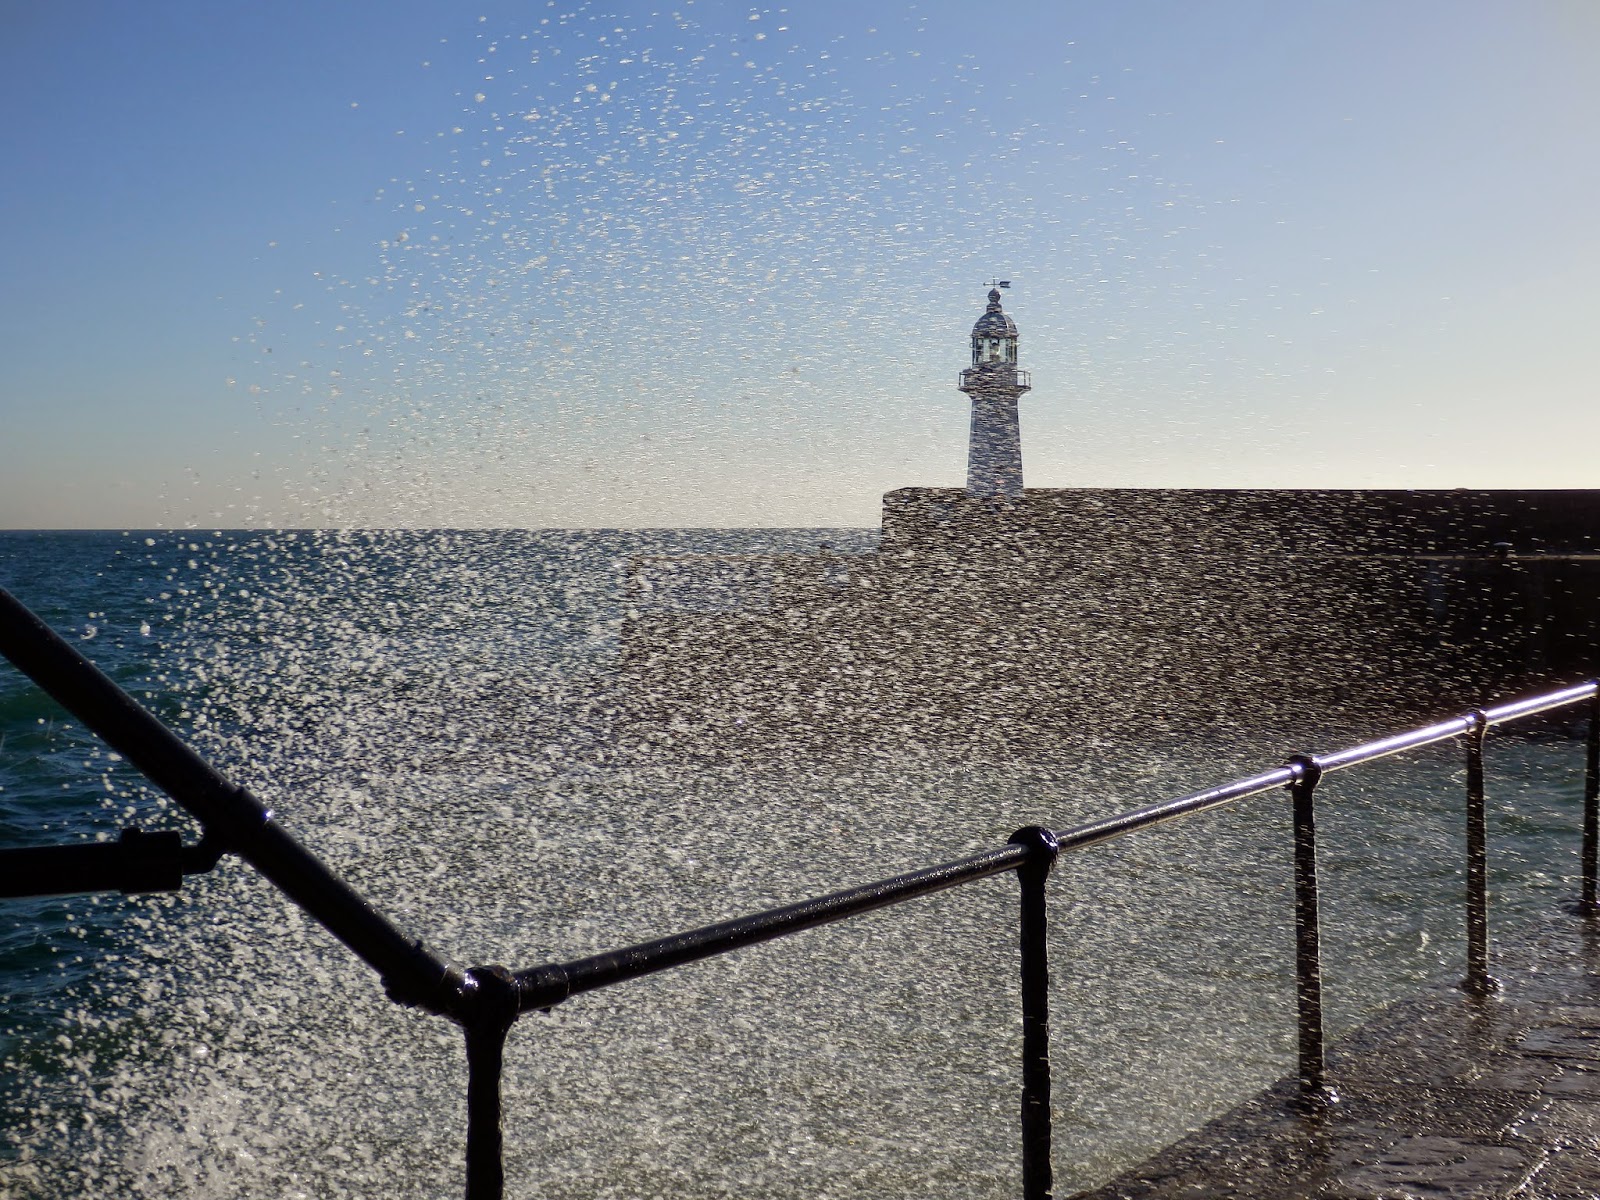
[712, 263]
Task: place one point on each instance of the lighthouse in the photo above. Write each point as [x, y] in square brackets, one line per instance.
[994, 452]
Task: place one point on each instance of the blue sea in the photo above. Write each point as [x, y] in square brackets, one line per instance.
[436, 714]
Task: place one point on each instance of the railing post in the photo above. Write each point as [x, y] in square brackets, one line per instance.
[1037, 1178]
[1314, 1090]
[1589, 905]
[1478, 981]
[490, 1013]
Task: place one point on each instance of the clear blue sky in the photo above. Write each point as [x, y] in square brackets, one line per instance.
[714, 263]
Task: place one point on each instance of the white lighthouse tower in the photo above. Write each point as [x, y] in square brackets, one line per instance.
[994, 453]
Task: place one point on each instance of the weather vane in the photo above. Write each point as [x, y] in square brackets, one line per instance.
[1005, 283]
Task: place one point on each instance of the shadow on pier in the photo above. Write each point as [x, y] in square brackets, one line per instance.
[1442, 1095]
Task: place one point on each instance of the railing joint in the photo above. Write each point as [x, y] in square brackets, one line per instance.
[1041, 844]
[1308, 771]
[543, 987]
[139, 861]
[490, 998]
[205, 854]
[446, 996]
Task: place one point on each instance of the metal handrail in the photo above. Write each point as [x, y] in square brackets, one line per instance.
[541, 987]
[486, 1001]
[231, 816]
[1108, 828]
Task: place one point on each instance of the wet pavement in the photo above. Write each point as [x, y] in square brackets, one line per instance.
[1441, 1096]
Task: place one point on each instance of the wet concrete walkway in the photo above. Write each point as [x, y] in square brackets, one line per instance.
[1441, 1097]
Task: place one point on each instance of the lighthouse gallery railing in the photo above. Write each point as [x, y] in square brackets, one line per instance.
[485, 1001]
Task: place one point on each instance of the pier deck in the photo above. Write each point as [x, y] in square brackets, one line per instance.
[1440, 1096]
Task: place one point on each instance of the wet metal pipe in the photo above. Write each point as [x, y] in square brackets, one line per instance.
[1121, 824]
[411, 973]
[1589, 905]
[1314, 1088]
[1110, 828]
[491, 1013]
[1545, 702]
[1478, 981]
[1037, 1173]
[542, 987]
[137, 862]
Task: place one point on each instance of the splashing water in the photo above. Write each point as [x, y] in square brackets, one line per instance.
[682, 269]
[430, 712]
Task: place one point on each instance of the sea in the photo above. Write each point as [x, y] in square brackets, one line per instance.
[437, 715]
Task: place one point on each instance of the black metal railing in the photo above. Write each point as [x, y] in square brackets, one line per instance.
[485, 1001]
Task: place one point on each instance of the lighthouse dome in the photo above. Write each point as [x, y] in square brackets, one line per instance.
[994, 323]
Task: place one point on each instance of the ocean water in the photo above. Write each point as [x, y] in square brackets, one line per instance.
[434, 713]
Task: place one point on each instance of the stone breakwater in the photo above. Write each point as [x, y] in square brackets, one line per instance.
[1007, 621]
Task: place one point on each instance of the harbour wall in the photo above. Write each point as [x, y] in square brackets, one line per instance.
[1002, 622]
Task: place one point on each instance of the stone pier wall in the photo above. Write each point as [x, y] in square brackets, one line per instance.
[1003, 622]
